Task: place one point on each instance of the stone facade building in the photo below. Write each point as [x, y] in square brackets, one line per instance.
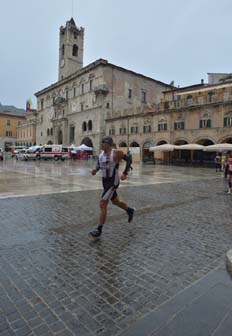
[74, 110]
[26, 131]
[199, 114]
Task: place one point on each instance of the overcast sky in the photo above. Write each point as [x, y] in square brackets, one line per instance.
[178, 40]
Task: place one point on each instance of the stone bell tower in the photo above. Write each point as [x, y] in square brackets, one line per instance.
[71, 49]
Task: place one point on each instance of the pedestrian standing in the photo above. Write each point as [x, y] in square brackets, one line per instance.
[229, 174]
[218, 162]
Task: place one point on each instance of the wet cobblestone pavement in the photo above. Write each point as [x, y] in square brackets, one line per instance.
[54, 281]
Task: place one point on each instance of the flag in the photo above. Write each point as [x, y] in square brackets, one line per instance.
[28, 105]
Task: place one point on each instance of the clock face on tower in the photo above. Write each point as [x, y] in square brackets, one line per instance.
[62, 63]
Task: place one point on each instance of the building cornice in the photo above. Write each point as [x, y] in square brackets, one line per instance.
[91, 66]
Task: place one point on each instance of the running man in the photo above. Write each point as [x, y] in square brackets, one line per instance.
[229, 172]
[108, 163]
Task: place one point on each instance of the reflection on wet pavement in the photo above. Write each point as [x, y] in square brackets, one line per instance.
[38, 177]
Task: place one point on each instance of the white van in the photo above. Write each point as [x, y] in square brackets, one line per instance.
[32, 153]
[56, 152]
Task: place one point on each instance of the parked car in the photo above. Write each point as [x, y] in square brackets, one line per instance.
[16, 149]
[1, 154]
[32, 153]
[55, 152]
[19, 154]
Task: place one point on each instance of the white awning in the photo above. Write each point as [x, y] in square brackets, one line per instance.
[218, 147]
[191, 147]
[163, 148]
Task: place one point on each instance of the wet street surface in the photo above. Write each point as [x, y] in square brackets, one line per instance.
[54, 281]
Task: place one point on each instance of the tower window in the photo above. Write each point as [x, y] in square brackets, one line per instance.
[90, 125]
[129, 93]
[63, 49]
[82, 88]
[75, 50]
[74, 92]
[84, 126]
[90, 85]
[143, 96]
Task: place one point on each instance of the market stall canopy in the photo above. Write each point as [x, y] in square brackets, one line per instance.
[218, 147]
[163, 148]
[83, 148]
[191, 147]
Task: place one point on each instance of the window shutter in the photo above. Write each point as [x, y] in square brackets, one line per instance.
[200, 126]
[209, 123]
[165, 127]
[225, 122]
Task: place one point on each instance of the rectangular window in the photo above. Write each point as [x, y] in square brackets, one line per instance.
[122, 131]
[129, 93]
[162, 127]
[8, 122]
[112, 131]
[90, 85]
[42, 104]
[179, 125]
[74, 92]
[66, 94]
[82, 88]
[143, 96]
[147, 129]
[205, 123]
[53, 100]
[134, 129]
[72, 134]
[227, 121]
[82, 107]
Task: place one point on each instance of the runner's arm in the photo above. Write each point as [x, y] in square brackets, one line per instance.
[118, 156]
[97, 168]
[128, 163]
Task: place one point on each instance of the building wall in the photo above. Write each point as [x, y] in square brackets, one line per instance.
[8, 132]
[99, 93]
[190, 114]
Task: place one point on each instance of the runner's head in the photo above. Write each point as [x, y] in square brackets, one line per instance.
[107, 143]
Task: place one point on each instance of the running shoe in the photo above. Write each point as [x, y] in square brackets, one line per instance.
[130, 212]
[95, 234]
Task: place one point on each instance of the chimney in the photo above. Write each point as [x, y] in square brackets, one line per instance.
[202, 81]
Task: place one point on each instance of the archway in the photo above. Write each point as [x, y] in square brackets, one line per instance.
[87, 141]
[122, 144]
[60, 137]
[202, 156]
[227, 140]
[135, 151]
[181, 154]
[161, 142]
[146, 154]
[134, 144]
[50, 142]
